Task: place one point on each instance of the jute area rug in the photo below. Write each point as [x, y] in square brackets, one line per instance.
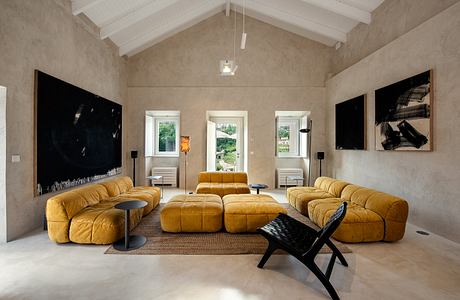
[219, 243]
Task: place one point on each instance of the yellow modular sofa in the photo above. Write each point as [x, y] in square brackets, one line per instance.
[87, 215]
[371, 215]
[222, 183]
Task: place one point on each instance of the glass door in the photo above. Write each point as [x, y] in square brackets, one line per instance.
[227, 144]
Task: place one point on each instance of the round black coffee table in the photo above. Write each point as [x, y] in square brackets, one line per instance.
[258, 186]
[130, 242]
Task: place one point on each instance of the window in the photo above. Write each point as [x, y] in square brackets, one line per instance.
[166, 136]
[287, 141]
[161, 134]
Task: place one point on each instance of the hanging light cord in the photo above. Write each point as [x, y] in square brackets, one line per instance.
[234, 40]
[244, 14]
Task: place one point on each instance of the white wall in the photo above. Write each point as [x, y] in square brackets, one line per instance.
[427, 180]
[3, 229]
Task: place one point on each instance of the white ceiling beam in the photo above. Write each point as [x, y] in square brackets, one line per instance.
[180, 22]
[342, 9]
[135, 16]
[80, 6]
[273, 12]
[367, 5]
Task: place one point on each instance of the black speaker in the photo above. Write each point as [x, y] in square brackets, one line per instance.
[133, 154]
[320, 155]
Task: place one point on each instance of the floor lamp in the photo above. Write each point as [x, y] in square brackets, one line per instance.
[185, 147]
[308, 132]
[134, 156]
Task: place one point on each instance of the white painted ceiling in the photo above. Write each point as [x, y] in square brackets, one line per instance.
[135, 25]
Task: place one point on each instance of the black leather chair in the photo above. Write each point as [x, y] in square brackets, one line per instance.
[304, 243]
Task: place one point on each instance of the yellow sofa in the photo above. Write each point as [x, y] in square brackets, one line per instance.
[371, 215]
[223, 183]
[87, 215]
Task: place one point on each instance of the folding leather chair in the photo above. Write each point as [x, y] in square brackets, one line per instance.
[304, 243]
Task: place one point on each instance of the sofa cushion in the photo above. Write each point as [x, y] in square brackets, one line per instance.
[118, 185]
[331, 185]
[223, 177]
[299, 197]
[222, 189]
[359, 224]
[102, 223]
[192, 213]
[149, 194]
[247, 212]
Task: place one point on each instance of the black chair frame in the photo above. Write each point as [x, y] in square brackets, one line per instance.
[304, 243]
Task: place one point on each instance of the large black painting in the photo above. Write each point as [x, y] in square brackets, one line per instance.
[78, 135]
[350, 124]
[403, 114]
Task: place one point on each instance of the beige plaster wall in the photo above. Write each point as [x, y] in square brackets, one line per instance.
[428, 180]
[277, 71]
[45, 35]
[390, 20]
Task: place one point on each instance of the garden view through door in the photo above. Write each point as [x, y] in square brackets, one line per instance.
[228, 146]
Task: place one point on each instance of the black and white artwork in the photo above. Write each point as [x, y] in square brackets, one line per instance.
[403, 114]
[78, 135]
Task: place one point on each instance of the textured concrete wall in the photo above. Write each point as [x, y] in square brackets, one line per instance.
[277, 71]
[390, 20]
[45, 35]
[428, 180]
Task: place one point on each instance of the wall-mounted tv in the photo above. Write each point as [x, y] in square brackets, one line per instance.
[78, 135]
[350, 124]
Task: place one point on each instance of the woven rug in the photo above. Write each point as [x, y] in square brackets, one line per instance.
[219, 243]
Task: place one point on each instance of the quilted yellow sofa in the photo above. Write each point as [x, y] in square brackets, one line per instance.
[371, 215]
[223, 183]
[87, 215]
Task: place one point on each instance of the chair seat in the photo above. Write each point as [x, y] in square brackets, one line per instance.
[299, 197]
[292, 234]
[149, 194]
[222, 189]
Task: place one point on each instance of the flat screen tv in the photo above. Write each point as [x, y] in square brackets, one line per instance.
[78, 135]
[350, 124]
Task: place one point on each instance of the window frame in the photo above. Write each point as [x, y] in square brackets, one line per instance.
[156, 136]
[294, 140]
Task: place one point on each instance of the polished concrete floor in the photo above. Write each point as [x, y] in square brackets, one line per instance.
[418, 267]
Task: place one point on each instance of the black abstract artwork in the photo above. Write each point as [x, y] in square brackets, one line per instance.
[350, 124]
[403, 114]
[78, 135]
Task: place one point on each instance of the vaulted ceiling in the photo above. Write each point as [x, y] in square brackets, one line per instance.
[135, 25]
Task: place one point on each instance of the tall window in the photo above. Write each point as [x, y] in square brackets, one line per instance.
[288, 136]
[166, 136]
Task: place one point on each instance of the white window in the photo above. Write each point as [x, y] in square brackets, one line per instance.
[288, 136]
[166, 136]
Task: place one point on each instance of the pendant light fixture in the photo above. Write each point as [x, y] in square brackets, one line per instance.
[243, 35]
[229, 67]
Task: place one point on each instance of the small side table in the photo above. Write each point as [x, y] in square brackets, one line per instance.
[295, 178]
[158, 177]
[130, 242]
[258, 186]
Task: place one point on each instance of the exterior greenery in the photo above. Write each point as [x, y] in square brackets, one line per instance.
[167, 136]
[283, 139]
[226, 147]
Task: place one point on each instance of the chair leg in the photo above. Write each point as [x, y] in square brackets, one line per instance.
[337, 252]
[327, 284]
[270, 249]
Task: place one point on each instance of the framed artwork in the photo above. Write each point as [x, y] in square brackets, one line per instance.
[403, 113]
[350, 124]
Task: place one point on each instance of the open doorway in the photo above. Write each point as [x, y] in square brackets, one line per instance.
[3, 233]
[226, 141]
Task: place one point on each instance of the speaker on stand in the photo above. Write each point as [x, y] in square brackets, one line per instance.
[320, 157]
[134, 156]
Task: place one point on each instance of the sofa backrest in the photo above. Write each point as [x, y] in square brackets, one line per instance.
[223, 177]
[118, 186]
[393, 210]
[331, 185]
[60, 209]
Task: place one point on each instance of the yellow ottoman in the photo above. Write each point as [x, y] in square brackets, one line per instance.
[247, 212]
[192, 213]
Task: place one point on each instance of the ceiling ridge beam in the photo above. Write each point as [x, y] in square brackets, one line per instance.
[135, 17]
[281, 15]
[184, 18]
[80, 6]
[342, 9]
